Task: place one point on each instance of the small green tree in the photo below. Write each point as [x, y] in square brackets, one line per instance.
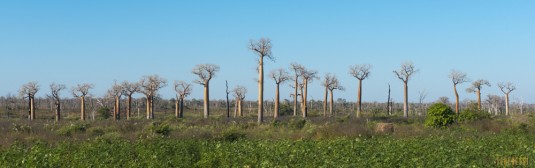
[439, 116]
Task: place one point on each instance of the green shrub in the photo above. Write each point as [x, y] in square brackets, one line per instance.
[161, 128]
[232, 135]
[73, 128]
[104, 112]
[297, 123]
[472, 115]
[439, 115]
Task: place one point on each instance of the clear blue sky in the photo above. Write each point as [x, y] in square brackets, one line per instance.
[100, 41]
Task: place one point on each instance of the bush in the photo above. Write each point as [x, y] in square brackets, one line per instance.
[73, 128]
[473, 115]
[104, 112]
[439, 115]
[161, 128]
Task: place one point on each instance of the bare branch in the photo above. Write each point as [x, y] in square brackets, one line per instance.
[239, 92]
[81, 90]
[183, 89]
[279, 75]
[406, 71]
[205, 72]
[262, 48]
[458, 77]
[360, 72]
[151, 84]
[506, 88]
[29, 89]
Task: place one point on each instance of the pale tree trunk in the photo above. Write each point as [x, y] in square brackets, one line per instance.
[305, 111]
[82, 108]
[359, 97]
[302, 103]
[115, 109]
[148, 106]
[58, 110]
[456, 99]
[129, 107]
[277, 99]
[325, 102]
[236, 108]
[331, 104]
[295, 95]
[32, 108]
[29, 106]
[152, 107]
[406, 101]
[507, 104]
[261, 91]
[206, 100]
[118, 99]
[478, 99]
[177, 108]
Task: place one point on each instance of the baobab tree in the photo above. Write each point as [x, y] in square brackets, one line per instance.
[28, 91]
[405, 74]
[333, 85]
[149, 87]
[183, 89]
[205, 72]
[307, 77]
[506, 88]
[55, 89]
[296, 68]
[115, 92]
[129, 90]
[476, 88]
[360, 72]
[262, 48]
[457, 77]
[327, 80]
[80, 91]
[239, 94]
[279, 76]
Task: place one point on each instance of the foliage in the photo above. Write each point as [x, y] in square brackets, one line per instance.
[161, 128]
[470, 114]
[104, 112]
[439, 115]
[77, 127]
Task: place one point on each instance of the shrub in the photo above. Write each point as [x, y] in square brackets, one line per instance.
[161, 128]
[439, 115]
[473, 115]
[73, 128]
[104, 112]
[297, 123]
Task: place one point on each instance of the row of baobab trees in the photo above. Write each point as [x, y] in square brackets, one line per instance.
[300, 77]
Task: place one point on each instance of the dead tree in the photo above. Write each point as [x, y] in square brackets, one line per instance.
[55, 89]
[115, 92]
[307, 77]
[205, 72]
[404, 74]
[129, 90]
[389, 102]
[239, 95]
[149, 87]
[327, 80]
[279, 76]
[262, 48]
[457, 77]
[422, 95]
[506, 88]
[28, 91]
[80, 91]
[476, 88]
[360, 72]
[183, 89]
[334, 84]
[296, 68]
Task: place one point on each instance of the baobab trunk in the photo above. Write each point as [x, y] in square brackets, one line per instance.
[359, 97]
[181, 109]
[506, 104]
[58, 110]
[456, 99]
[30, 106]
[305, 110]
[478, 99]
[331, 104]
[206, 100]
[129, 107]
[152, 107]
[261, 91]
[177, 113]
[295, 95]
[277, 99]
[82, 108]
[325, 102]
[406, 102]
[32, 109]
[148, 107]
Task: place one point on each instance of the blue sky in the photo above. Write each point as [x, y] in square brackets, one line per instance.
[100, 41]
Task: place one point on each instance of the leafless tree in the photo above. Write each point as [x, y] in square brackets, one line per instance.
[360, 72]
[327, 80]
[205, 72]
[279, 76]
[506, 88]
[149, 87]
[130, 88]
[404, 74]
[239, 94]
[443, 100]
[55, 89]
[307, 77]
[333, 85]
[81, 91]
[262, 48]
[476, 88]
[296, 68]
[457, 77]
[423, 95]
[28, 91]
[115, 92]
[183, 89]
[228, 103]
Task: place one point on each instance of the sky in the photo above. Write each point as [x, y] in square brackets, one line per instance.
[101, 41]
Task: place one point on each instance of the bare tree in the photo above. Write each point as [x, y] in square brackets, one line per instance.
[297, 71]
[327, 80]
[262, 48]
[55, 89]
[476, 88]
[129, 90]
[205, 72]
[81, 91]
[404, 74]
[506, 88]
[228, 103]
[307, 77]
[360, 72]
[28, 91]
[423, 95]
[279, 76]
[183, 89]
[457, 77]
[333, 85]
[239, 94]
[115, 92]
[149, 87]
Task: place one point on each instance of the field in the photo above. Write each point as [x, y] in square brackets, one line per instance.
[289, 142]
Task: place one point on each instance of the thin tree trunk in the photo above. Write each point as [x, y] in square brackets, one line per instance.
[181, 109]
[305, 103]
[206, 101]
[331, 104]
[58, 110]
[228, 103]
[82, 108]
[277, 99]
[32, 108]
[325, 102]
[261, 91]
[152, 107]
[148, 106]
[177, 103]
[359, 107]
[296, 84]
[478, 99]
[456, 99]
[388, 103]
[129, 107]
[406, 101]
[507, 104]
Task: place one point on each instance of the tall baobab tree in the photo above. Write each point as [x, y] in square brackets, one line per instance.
[262, 48]
[360, 72]
[506, 88]
[476, 88]
[183, 89]
[80, 91]
[307, 76]
[405, 74]
[279, 76]
[116, 91]
[327, 80]
[149, 87]
[28, 91]
[457, 77]
[239, 94]
[130, 88]
[55, 89]
[296, 68]
[205, 72]
[333, 85]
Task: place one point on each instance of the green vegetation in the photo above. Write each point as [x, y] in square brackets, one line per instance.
[439, 115]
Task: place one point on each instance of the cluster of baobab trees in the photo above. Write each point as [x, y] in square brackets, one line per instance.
[300, 78]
